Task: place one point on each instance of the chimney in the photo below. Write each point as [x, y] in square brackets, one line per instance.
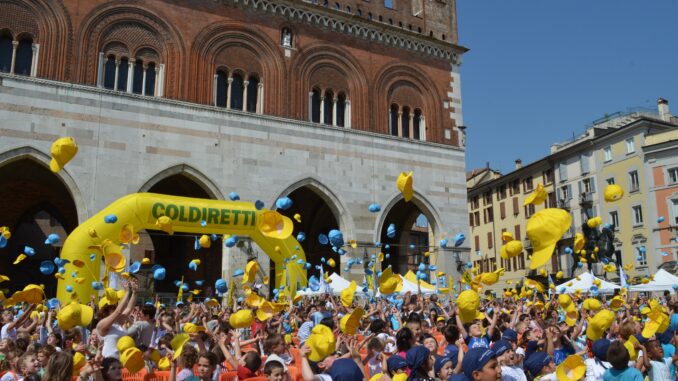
[663, 107]
[519, 163]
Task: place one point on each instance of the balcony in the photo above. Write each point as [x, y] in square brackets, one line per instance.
[527, 244]
[586, 199]
[564, 204]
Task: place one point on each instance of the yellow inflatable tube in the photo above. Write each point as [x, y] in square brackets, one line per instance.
[269, 229]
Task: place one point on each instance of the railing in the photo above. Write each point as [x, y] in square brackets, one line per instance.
[564, 203]
[586, 198]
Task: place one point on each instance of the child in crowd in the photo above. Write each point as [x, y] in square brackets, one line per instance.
[619, 358]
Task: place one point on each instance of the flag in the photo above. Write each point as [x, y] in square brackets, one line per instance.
[180, 294]
[622, 277]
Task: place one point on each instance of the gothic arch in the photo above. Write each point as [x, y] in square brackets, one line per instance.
[220, 36]
[396, 76]
[140, 28]
[332, 59]
[418, 200]
[37, 156]
[49, 24]
[186, 170]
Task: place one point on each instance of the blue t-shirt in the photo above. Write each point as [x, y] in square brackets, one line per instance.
[674, 321]
[478, 342]
[628, 374]
[669, 351]
[560, 354]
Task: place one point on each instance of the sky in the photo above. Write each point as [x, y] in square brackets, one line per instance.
[539, 71]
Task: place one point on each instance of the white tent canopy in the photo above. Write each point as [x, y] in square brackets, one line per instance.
[584, 284]
[338, 284]
[663, 281]
[414, 288]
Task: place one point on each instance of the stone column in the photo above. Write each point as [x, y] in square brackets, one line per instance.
[130, 76]
[161, 81]
[260, 98]
[34, 59]
[100, 69]
[157, 80]
[322, 107]
[400, 122]
[411, 125]
[228, 93]
[310, 106]
[422, 128]
[143, 81]
[347, 114]
[245, 84]
[334, 110]
[215, 81]
[15, 46]
[117, 66]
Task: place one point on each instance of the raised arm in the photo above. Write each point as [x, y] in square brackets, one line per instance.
[106, 323]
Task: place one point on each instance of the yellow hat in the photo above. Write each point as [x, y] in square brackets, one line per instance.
[146, 261]
[73, 315]
[62, 151]
[164, 223]
[537, 197]
[350, 322]
[564, 301]
[331, 262]
[297, 217]
[127, 234]
[468, 303]
[613, 192]
[79, 362]
[400, 377]
[506, 236]
[192, 328]
[322, 343]
[538, 286]
[265, 311]
[124, 343]
[205, 241]
[377, 377]
[630, 346]
[491, 278]
[511, 249]
[571, 315]
[579, 242]
[594, 222]
[599, 324]
[544, 229]
[31, 294]
[164, 363]
[113, 257]
[132, 359]
[155, 355]
[251, 270]
[592, 304]
[572, 369]
[404, 183]
[254, 300]
[347, 294]
[658, 322]
[616, 303]
[389, 282]
[241, 319]
[178, 342]
[559, 275]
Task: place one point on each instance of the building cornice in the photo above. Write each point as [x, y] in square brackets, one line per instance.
[343, 22]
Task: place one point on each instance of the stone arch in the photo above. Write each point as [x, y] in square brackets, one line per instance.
[138, 27]
[248, 44]
[323, 60]
[403, 215]
[193, 174]
[49, 24]
[404, 82]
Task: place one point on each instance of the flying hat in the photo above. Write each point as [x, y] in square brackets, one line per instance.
[127, 235]
[579, 242]
[347, 294]
[560, 275]
[491, 278]
[537, 197]
[134, 267]
[591, 304]
[205, 241]
[164, 223]
[178, 342]
[74, 315]
[468, 302]
[404, 184]
[31, 294]
[159, 273]
[336, 237]
[250, 273]
[113, 257]
[511, 249]
[254, 300]
[194, 263]
[47, 267]
[571, 315]
[564, 300]
[544, 229]
[331, 262]
[192, 328]
[613, 192]
[62, 151]
[164, 363]
[349, 323]
[658, 322]
[283, 203]
[125, 342]
[572, 369]
[145, 261]
[506, 237]
[221, 286]
[52, 239]
[594, 222]
[599, 324]
[79, 362]
[322, 342]
[389, 282]
[241, 319]
[616, 303]
[19, 258]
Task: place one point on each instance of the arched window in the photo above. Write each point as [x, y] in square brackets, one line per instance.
[341, 110]
[406, 122]
[109, 73]
[315, 105]
[138, 83]
[221, 89]
[328, 105]
[237, 89]
[252, 93]
[151, 72]
[24, 57]
[123, 73]
[6, 52]
[417, 124]
[393, 120]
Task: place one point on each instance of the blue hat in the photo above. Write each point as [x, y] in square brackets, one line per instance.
[336, 238]
[509, 335]
[416, 356]
[501, 346]
[458, 377]
[258, 205]
[536, 362]
[301, 236]
[111, 219]
[374, 208]
[395, 362]
[134, 267]
[314, 283]
[238, 272]
[452, 351]
[443, 243]
[29, 251]
[221, 286]
[231, 241]
[459, 239]
[52, 239]
[345, 370]
[440, 362]
[283, 203]
[599, 349]
[46, 267]
[391, 231]
[52, 304]
[475, 359]
[199, 283]
[234, 196]
[322, 238]
[159, 273]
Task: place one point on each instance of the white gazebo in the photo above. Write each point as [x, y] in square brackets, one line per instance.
[662, 281]
[584, 284]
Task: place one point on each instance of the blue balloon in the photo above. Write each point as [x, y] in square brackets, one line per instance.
[391, 231]
[283, 203]
[374, 208]
[336, 238]
[301, 236]
[259, 205]
[422, 267]
[660, 219]
[111, 219]
[233, 196]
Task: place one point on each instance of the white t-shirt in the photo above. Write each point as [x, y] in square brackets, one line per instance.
[548, 377]
[7, 333]
[110, 340]
[512, 373]
[660, 370]
[389, 341]
[596, 369]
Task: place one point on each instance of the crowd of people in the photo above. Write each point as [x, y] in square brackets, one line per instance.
[319, 338]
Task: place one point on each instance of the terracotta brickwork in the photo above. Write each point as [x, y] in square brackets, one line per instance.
[376, 53]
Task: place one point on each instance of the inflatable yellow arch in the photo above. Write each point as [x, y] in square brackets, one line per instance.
[269, 229]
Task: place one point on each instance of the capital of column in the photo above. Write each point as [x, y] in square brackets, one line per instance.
[15, 44]
[230, 80]
[245, 83]
[260, 85]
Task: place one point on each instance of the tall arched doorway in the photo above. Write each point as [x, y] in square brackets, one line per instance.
[35, 203]
[411, 240]
[316, 218]
[174, 252]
